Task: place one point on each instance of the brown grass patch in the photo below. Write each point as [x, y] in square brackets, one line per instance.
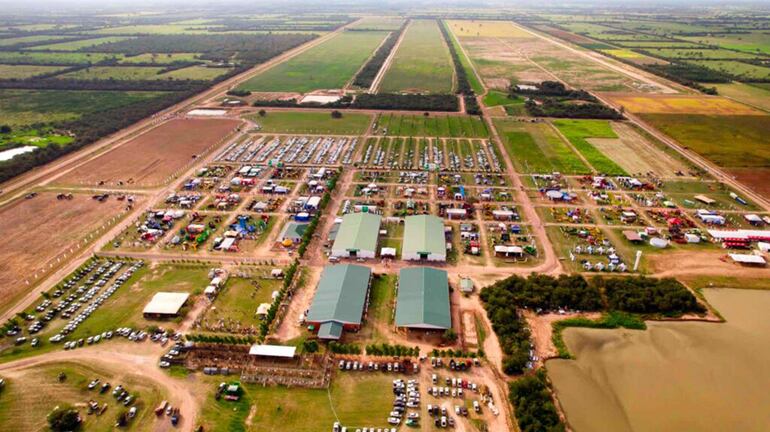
[757, 179]
[660, 104]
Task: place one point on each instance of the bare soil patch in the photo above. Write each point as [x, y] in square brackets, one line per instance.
[37, 230]
[149, 159]
[757, 179]
[682, 104]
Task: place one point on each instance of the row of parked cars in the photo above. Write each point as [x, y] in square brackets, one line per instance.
[407, 395]
[354, 365]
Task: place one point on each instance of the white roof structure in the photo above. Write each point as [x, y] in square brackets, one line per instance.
[273, 351]
[166, 303]
[508, 249]
[739, 234]
[263, 308]
[388, 251]
[202, 112]
[748, 259]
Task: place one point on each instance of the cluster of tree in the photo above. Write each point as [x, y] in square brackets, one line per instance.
[64, 418]
[571, 109]
[511, 329]
[464, 87]
[392, 350]
[341, 348]
[688, 74]
[407, 102]
[552, 89]
[535, 410]
[645, 295]
[221, 339]
[546, 292]
[239, 93]
[366, 75]
[120, 85]
[458, 353]
[250, 48]
[314, 23]
[310, 346]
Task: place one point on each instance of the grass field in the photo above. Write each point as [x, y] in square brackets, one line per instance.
[26, 107]
[138, 73]
[708, 135]
[26, 71]
[473, 79]
[329, 65]
[623, 53]
[697, 54]
[536, 148]
[497, 98]
[34, 57]
[386, 23]
[421, 63]
[683, 105]
[744, 71]
[160, 58]
[30, 40]
[240, 298]
[433, 126]
[79, 44]
[358, 400]
[749, 94]
[201, 73]
[34, 137]
[497, 29]
[313, 123]
[577, 132]
[752, 42]
[24, 410]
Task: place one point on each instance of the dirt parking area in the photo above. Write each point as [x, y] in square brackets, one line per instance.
[149, 159]
[38, 230]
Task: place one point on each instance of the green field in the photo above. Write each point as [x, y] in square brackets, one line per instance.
[358, 400]
[137, 73]
[27, 107]
[202, 73]
[79, 44]
[741, 70]
[30, 39]
[239, 299]
[65, 58]
[758, 41]
[577, 131]
[698, 54]
[32, 137]
[473, 79]
[751, 94]
[161, 58]
[749, 142]
[497, 98]
[387, 23]
[432, 126]
[536, 148]
[26, 71]
[329, 65]
[312, 123]
[421, 63]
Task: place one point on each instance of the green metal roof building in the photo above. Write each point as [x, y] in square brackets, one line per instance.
[423, 299]
[424, 239]
[340, 299]
[357, 236]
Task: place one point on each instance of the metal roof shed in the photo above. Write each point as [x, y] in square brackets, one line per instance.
[273, 351]
[424, 238]
[341, 295]
[357, 236]
[423, 299]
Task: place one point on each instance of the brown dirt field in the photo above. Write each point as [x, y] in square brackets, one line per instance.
[635, 155]
[682, 104]
[149, 159]
[37, 230]
[757, 179]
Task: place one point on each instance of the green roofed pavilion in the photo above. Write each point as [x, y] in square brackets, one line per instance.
[424, 239]
[423, 299]
[357, 236]
[340, 299]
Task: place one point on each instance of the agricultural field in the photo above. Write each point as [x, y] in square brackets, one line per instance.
[493, 29]
[58, 225]
[579, 133]
[29, 40]
[329, 65]
[312, 123]
[754, 42]
[742, 71]
[33, 137]
[61, 58]
[432, 126]
[78, 44]
[421, 64]
[750, 94]
[660, 104]
[141, 162]
[27, 71]
[385, 23]
[538, 149]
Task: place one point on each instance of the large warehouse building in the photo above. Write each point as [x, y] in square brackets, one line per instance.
[340, 300]
[357, 236]
[424, 239]
[423, 299]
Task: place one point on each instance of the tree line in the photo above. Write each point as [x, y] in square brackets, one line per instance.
[464, 87]
[379, 101]
[535, 410]
[554, 99]
[365, 77]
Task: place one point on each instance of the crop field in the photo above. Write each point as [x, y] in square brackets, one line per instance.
[26, 71]
[743, 71]
[78, 44]
[421, 63]
[683, 105]
[115, 73]
[150, 158]
[39, 229]
[750, 94]
[536, 148]
[697, 54]
[312, 123]
[465, 62]
[36, 391]
[66, 58]
[6, 42]
[749, 144]
[433, 126]
[386, 23]
[26, 107]
[752, 42]
[160, 58]
[495, 29]
[329, 65]
[579, 131]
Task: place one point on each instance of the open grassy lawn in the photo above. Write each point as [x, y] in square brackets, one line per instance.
[329, 65]
[697, 54]
[26, 71]
[201, 73]
[31, 395]
[433, 126]
[33, 137]
[536, 148]
[26, 107]
[134, 73]
[758, 41]
[30, 39]
[381, 307]
[473, 79]
[160, 58]
[728, 141]
[387, 23]
[239, 300]
[422, 63]
[750, 94]
[359, 400]
[577, 131]
[78, 44]
[313, 123]
[744, 71]
[35, 57]
[498, 98]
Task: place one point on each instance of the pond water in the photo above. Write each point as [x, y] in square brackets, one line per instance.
[686, 376]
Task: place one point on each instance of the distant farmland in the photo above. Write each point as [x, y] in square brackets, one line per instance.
[329, 65]
[422, 62]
